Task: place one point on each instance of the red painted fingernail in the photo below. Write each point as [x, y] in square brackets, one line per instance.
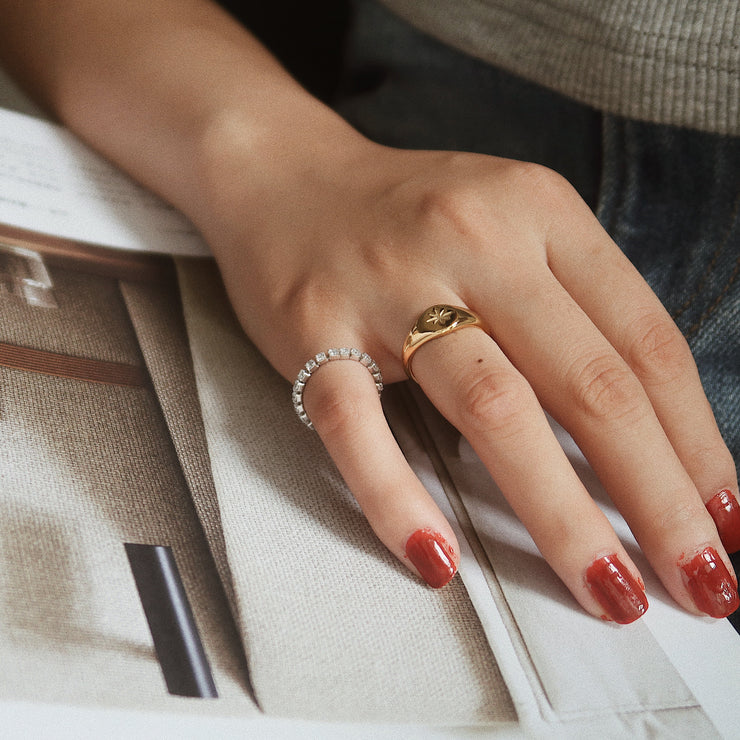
[725, 511]
[710, 584]
[618, 592]
[432, 556]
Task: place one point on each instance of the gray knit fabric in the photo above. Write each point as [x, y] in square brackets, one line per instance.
[666, 61]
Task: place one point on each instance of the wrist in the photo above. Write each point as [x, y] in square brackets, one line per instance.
[248, 158]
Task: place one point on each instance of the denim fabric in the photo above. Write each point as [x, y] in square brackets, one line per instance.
[669, 197]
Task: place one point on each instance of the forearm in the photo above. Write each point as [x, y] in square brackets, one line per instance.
[166, 88]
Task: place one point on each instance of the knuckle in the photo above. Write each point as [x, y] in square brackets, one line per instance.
[546, 184]
[709, 459]
[457, 207]
[303, 298]
[660, 354]
[493, 403]
[303, 302]
[605, 388]
[682, 516]
[704, 457]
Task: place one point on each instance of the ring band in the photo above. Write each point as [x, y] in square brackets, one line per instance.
[435, 322]
[322, 358]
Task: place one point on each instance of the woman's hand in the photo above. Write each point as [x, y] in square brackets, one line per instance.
[344, 246]
[327, 240]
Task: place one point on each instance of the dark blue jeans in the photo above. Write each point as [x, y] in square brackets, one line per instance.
[669, 197]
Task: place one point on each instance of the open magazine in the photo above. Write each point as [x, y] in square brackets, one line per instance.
[134, 411]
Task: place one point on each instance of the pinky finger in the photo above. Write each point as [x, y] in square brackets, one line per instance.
[344, 407]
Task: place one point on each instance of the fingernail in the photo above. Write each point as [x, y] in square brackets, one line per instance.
[725, 511]
[618, 592]
[432, 557]
[710, 584]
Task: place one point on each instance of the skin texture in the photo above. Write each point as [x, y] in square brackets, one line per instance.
[325, 239]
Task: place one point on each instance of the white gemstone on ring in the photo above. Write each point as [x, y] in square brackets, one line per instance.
[342, 353]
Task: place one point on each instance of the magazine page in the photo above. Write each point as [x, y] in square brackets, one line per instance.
[51, 183]
[671, 669]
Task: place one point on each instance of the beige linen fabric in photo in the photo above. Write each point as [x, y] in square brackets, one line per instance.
[335, 628]
[157, 318]
[85, 467]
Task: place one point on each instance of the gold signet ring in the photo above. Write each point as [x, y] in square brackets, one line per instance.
[435, 322]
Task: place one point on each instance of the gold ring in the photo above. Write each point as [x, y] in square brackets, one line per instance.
[435, 322]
